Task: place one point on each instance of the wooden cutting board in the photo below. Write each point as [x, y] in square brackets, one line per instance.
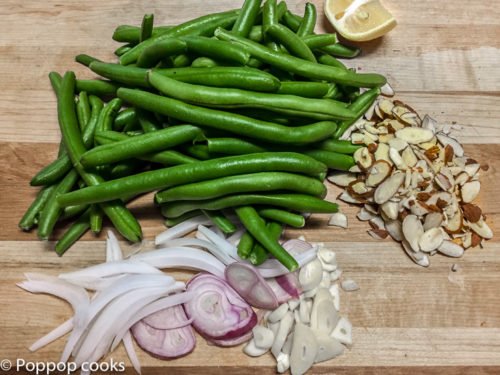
[442, 59]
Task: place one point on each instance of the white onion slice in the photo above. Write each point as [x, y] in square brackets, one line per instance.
[220, 242]
[182, 257]
[160, 304]
[99, 335]
[181, 229]
[92, 273]
[116, 251]
[236, 236]
[204, 244]
[132, 355]
[53, 335]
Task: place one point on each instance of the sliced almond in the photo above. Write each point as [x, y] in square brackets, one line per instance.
[395, 230]
[365, 215]
[409, 157]
[382, 152]
[443, 182]
[371, 208]
[432, 153]
[372, 130]
[467, 240]
[472, 213]
[346, 197]
[341, 178]
[369, 113]
[398, 111]
[377, 223]
[482, 229]
[397, 159]
[385, 138]
[433, 220]
[412, 230]
[338, 219]
[396, 125]
[387, 90]
[430, 240]
[462, 179]
[449, 154]
[419, 209]
[354, 169]
[451, 249]
[410, 118]
[390, 209]
[472, 169]
[414, 135]
[358, 139]
[447, 140]
[429, 144]
[429, 123]
[470, 191]
[418, 257]
[359, 188]
[379, 171]
[385, 108]
[378, 234]
[388, 188]
[475, 240]
[363, 158]
[369, 138]
[398, 144]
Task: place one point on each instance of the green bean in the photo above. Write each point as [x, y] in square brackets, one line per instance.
[315, 41]
[204, 25]
[146, 27]
[292, 21]
[152, 55]
[123, 49]
[359, 106]
[74, 232]
[51, 210]
[259, 254]
[305, 89]
[85, 59]
[124, 169]
[175, 221]
[96, 106]
[339, 50]
[72, 211]
[95, 219]
[301, 67]
[132, 34]
[281, 216]
[31, 215]
[233, 123]
[238, 77]
[234, 98]
[284, 36]
[222, 222]
[52, 172]
[245, 245]
[181, 61]
[147, 121]
[256, 34]
[247, 17]
[169, 157]
[334, 92]
[330, 61]
[215, 49]
[139, 145]
[257, 228]
[108, 114]
[96, 87]
[341, 147]
[197, 151]
[245, 183]
[204, 62]
[232, 146]
[55, 81]
[125, 117]
[269, 14]
[195, 172]
[122, 219]
[333, 160]
[295, 202]
[308, 21]
[83, 110]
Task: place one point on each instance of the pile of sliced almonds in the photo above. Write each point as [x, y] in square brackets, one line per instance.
[414, 182]
[309, 329]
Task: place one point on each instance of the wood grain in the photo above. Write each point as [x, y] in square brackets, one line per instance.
[442, 59]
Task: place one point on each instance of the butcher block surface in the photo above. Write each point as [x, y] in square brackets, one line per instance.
[442, 59]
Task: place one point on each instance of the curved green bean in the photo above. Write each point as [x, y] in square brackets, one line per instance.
[244, 183]
[52, 172]
[232, 146]
[194, 172]
[132, 34]
[140, 145]
[122, 49]
[108, 114]
[245, 245]
[247, 17]
[175, 221]
[222, 222]
[83, 109]
[147, 27]
[315, 41]
[259, 254]
[295, 202]
[282, 216]
[96, 87]
[301, 67]
[233, 123]
[308, 21]
[156, 52]
[74, 232]
[305, 89]
[85, 59]
[335, 145]
[125, 118]
[216, 49]
[235, 98]
[333, 160]
[31, 215]
[294, 45]
[204, 62]
[95, 219]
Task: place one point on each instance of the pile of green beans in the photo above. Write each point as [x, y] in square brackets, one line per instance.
[235, 114]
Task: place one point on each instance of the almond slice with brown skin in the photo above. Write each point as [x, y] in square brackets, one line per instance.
[395, 230]
[379, 171]
[387, 189]
[472, 213]
[447, 140]
[482, 229]
[430, 240]
[412, 230]
[455, 223]
[414, 135]
[409, 157]
[470, 191]
[363, 158]
[346, 197]
[429, 123]
[341, 179]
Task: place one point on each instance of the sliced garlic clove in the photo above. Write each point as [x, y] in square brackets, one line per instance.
[263, 337]
[328, 348]
[343, 331]
[310, 275]
[252, 350]
[304, 350]
[335, 293]
[278, 313]
[349, 285]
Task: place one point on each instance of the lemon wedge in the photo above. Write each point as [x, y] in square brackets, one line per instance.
[359, 20]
